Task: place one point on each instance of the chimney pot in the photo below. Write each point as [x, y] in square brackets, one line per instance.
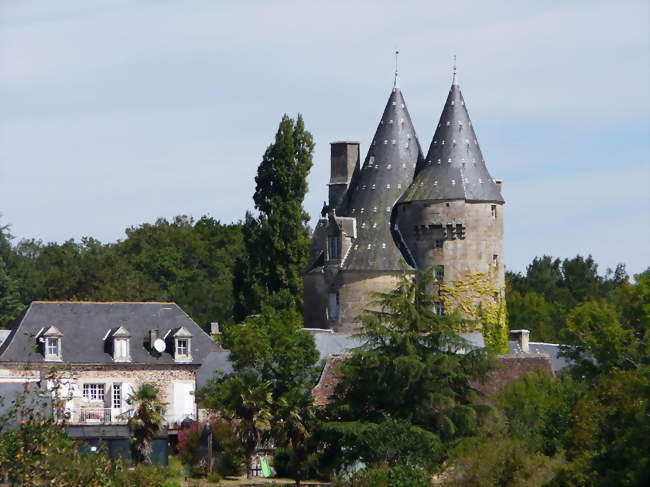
[214, 328]
[521, 337]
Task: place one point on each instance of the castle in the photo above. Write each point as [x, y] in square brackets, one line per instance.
[442, 212]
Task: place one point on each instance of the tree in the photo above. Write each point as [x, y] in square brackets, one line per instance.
[277, 240]
[412, 366]
[283, 355]
[146, 421]
[10, 304]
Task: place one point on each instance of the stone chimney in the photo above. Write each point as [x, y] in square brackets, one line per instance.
[344, 160]
[521, 337]
[214, 328]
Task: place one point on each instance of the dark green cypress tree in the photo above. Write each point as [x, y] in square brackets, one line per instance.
[277, 239]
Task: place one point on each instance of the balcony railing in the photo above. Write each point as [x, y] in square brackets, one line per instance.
[96, 416]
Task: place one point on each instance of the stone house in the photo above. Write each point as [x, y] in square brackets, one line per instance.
[104, 352]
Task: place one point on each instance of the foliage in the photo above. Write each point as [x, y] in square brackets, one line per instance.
[609, 440]
[482, 307]
[189, 439]
[10, 305]
[401, 476]
[277, 239]
[541, 299]
[409, 366]
[537, 409]
[146, 421]
[245, 399]
[191, 263]
[275, 345]
[231, 455]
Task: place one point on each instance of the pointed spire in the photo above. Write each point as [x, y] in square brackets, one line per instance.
[387, 171]
[454, 168]
[454, 81]
[396, 81]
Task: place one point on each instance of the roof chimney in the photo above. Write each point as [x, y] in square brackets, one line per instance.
[344, 161]
[521, 337]
[214, 328]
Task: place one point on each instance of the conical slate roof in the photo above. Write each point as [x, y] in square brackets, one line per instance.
[454, 168]
[386, 172]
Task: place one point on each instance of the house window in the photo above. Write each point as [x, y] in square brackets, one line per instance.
[93, 392]
[121, 349]
[182, 347]
[440, 309]
[495, 260]
[493, 209]
[117, 396]
[440, 273]
[438, 243]
[53, 347]
[334, 244]
[334, 306]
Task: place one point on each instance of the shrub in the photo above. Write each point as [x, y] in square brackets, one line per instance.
[402, 476]
[282, 461]
[188, 443]
[214, 477]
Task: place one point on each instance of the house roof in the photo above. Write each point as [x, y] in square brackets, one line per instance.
[454, 168]
[87, 327]
[386, 172]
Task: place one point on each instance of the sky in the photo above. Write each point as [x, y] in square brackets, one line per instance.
[114, 113]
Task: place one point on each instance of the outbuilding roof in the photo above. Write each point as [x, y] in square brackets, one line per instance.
[86, 329]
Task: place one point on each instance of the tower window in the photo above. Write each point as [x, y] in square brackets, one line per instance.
[438, 243]
[493, 209]
[495, 260]
[334, 246]
[440, 309]
[333, 307]
[440, 273]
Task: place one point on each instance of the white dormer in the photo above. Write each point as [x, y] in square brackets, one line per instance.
[121, 346]
[182, 345]
[52, 344]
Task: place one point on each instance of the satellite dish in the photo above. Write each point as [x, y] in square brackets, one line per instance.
[159, 345]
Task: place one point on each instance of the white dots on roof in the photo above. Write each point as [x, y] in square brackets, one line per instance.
[356, 247]
[401, 121]
[385, 142]
[363, 225]
[372, 159]
[369, 246]
[394, 103]
[480, 180]
[448, 123]
[403, 166]
[361, 210]
[388, 186]
[374, 208]
[453, 181]
[393, 141]
[402, 105]
[353, 210]
[399, 185]
[453, 141]
[390, 122]
[388, 209]
[406, 146]
[466, 180]
[435, 183]
[383, 245]
[435, 142]
[373, 186]
[389, 166]
[439, 161]
[363, 187]
[443, 142]
[374, 225]
[449, 160]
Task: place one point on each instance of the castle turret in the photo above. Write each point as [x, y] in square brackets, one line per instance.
[352, 247]
[451, 216]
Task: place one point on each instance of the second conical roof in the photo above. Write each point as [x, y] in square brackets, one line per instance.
[386, 172]
[454, 167]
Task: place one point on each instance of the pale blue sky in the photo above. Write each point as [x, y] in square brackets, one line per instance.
[116, 112]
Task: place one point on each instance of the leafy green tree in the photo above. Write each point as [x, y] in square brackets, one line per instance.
[401, 476]
[609, 440]
[10, 304]
[531, 311]
[245, 399]
[277, 240]
[146, 421]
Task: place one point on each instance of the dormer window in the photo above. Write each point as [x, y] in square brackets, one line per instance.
[334, 246]
[51, 340]
[182, 345]
[121, 349]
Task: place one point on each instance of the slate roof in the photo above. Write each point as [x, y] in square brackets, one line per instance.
[551, 350]
[4, 334]
[454, 168]
[386, 172]
[87, 325]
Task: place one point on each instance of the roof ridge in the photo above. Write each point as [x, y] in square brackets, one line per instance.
[103, 302]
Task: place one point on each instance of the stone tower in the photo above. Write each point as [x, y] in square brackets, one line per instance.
[352, 248]
[450, 218]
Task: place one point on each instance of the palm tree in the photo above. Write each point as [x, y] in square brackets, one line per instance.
[246, 400]
[146, 421]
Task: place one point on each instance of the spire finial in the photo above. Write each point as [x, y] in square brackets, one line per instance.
[454, 82]
[396, 83]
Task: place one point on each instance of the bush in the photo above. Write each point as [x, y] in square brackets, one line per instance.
[214, 477]
[230, 460]
[282, 462]
[402, 476]
[189, 440]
